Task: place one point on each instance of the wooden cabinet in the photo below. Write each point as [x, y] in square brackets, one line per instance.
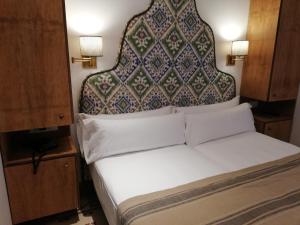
[272, 69]
[53, 189]
[35, 92]
[278, 127]
[34, 77]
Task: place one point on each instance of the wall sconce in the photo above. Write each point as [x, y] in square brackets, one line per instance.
[90, 49]
[239, 50]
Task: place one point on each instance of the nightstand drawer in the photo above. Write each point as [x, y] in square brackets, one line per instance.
[52, 190]
[280, 130]
[275, 126]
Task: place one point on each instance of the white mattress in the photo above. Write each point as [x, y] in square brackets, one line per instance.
[122, 177]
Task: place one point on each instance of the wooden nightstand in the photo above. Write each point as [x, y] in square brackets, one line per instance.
[278, 127]
[53, 189]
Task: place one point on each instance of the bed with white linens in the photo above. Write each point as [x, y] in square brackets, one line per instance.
[123, 176]
[167, 141]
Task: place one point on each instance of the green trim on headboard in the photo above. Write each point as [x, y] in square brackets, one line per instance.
[167, 57]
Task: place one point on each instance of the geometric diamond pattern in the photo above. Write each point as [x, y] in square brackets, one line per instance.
[199, 82]
[141, 38]
[184, 98]
[159, 18]
[223, 83]
[140, 83]
[189, 21]
[128, 63]
[230, 92]
[202, 43]
[104, 83]
[157, 62]
[209, 66]
[167, 57]
[123, 102]
[177, 4]
[173, 42]
[171, 83]
[155, 100]
[91, 102]
[210, 96]
[187, 63]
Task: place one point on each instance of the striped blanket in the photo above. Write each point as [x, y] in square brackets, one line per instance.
[263, 194]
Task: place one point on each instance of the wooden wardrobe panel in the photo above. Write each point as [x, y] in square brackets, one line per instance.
[34, 77]
[257, 69]
[286, 72]
[262, 24]
[262, 29]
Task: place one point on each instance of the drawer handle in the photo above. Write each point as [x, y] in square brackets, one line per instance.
[61, 116]
[67, 165]
[269, 128]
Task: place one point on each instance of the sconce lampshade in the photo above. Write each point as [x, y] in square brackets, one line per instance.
[91, 46]
[239, 48]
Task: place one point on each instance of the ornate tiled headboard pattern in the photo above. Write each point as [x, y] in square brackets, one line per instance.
[167, 58]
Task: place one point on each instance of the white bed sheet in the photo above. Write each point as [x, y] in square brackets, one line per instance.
[122, 177]
[139, 173]
[245, 150]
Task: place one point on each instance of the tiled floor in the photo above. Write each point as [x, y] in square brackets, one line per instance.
[90, 212]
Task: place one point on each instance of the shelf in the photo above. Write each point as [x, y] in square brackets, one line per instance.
[268, 118]
[17, 154]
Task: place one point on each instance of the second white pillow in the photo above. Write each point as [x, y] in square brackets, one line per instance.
[205, 127]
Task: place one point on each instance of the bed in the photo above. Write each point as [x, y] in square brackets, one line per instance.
[161, 167]
[120, 178]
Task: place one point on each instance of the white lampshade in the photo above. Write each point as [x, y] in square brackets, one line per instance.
[91, 46]
[239, 48]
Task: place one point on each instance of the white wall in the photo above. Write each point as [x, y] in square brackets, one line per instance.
[5, 218]
[295, 138]
[109, 18]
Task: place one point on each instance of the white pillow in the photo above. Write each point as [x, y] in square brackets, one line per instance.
[81, 116]
[103, 138]
[209, 108]
[205, 127]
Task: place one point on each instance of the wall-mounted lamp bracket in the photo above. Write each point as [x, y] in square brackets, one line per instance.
[87, 62]
[231, 59]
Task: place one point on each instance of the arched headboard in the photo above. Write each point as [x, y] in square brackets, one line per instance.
[167, 57]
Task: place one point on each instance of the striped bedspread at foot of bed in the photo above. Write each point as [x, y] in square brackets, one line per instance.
[263, 194]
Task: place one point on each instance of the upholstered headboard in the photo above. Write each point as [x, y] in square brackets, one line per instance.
[167, 57]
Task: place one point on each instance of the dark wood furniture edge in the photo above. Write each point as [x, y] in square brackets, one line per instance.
[66, 148]
[267, 118]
